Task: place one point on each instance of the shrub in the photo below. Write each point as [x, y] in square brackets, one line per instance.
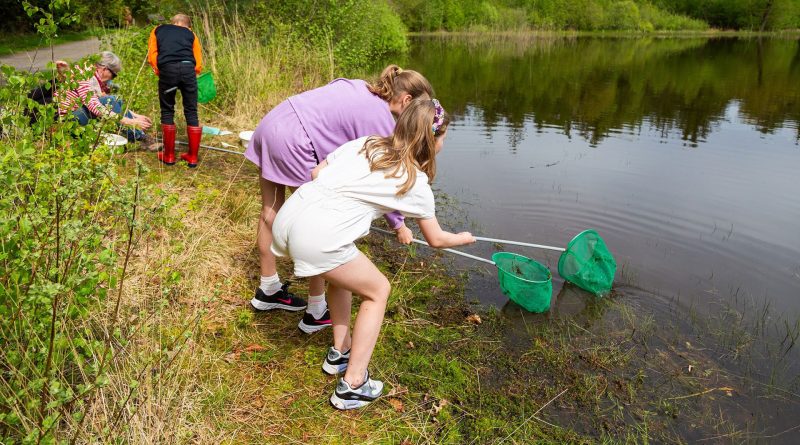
[356, 31]
[623, 15]
[666, 21]
[60, 205]
[511, 19]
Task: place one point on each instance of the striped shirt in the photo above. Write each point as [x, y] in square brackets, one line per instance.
[87, 93]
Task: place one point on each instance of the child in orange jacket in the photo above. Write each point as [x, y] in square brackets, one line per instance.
[174, 52]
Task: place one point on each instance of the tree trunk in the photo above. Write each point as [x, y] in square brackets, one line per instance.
[765, 17]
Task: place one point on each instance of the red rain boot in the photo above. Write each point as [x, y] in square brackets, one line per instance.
[194, 134]
[168, 155]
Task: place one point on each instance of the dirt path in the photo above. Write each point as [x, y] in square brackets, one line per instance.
[36, 59]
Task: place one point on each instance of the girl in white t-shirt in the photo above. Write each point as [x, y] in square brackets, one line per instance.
[318, 225]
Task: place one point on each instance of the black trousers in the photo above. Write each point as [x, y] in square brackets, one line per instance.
[174, 77]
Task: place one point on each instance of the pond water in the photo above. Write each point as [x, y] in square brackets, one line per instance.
[682, 153]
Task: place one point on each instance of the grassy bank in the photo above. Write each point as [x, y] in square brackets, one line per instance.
[709, 33]
[209, 370]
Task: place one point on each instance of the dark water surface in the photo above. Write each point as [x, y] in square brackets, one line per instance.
[684, 154]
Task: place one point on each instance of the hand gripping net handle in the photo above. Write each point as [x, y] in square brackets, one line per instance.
[414, 240]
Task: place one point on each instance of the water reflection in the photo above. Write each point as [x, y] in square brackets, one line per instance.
[682, 153]
[593, 88]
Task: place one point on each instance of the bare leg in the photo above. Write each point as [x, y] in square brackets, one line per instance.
[272, 197]
[316, 285]
[361, 277]
[341, 303]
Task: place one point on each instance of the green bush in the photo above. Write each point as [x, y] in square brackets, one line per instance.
[664, 21]
[587, 15]
[356, 31]
[623, 15]
[61, 202]
[64, 217]
[511, 19]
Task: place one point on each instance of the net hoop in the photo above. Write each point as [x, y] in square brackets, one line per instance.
[541, 267]
[597, 253]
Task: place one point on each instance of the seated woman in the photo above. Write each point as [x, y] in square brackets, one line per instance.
[91, 98]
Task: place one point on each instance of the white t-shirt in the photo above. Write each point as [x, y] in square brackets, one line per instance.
[348, 173]
[318, 224]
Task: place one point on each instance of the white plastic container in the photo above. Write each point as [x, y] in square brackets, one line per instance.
[245, 136]
[113, 140]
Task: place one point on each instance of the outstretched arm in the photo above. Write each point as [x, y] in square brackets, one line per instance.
[439, 238]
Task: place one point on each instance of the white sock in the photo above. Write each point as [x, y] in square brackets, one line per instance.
[316, 305]
[270, 285]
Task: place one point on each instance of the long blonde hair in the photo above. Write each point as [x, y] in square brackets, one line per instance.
[411, 147]
[395, 81]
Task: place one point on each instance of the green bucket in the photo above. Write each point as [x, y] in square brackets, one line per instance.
[206, 89]
[525, 281]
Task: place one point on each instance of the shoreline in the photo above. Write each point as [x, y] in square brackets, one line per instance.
[712, 33]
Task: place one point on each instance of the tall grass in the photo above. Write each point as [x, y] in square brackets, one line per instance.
[254, 72]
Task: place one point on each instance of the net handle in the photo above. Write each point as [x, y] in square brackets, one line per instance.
[414, 240]
[519, 243]
[234, 152]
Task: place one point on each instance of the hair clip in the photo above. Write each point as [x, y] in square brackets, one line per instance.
[438, 115]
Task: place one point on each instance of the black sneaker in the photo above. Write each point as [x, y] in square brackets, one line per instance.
[309, 324]
[335, 362]
[282, 299]
[347, 397]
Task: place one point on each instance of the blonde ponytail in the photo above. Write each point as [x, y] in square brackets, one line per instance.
[394, 81]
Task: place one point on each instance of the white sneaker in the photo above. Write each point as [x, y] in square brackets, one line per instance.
[335, 362]
[347, 397]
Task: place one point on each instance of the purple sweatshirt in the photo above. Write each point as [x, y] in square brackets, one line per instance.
[339, 112]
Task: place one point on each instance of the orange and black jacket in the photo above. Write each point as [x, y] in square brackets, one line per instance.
[173, 43]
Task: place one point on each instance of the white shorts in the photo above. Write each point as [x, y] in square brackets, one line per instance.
[317, 228]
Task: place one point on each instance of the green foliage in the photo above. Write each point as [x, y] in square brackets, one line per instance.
[61, 204]
[17, 17]
[584, 15]
[47, 20]
[623, 15]
[354, 32]
[58, 198]
[739, 14]
[665, 21]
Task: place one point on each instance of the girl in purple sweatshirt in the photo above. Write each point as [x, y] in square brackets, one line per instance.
[294, 138]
